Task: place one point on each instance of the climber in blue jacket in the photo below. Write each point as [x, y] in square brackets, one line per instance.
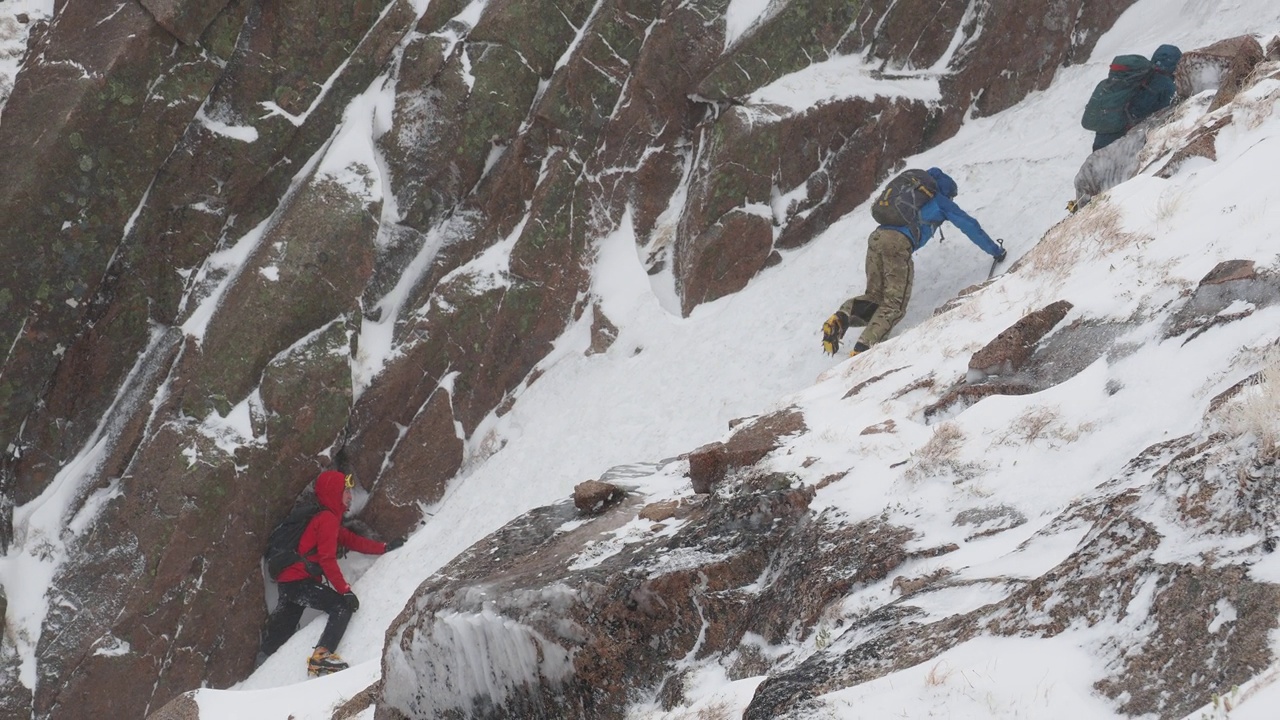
[891, 271]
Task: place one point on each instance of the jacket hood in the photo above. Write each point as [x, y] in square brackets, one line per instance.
[946, 185]
[1166, 57]
[329, 487]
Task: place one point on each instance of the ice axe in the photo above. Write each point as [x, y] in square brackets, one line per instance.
[996, 261]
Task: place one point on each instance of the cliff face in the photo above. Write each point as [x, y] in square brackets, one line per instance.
[185, 239]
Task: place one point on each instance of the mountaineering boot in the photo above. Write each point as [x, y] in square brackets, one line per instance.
[858, 349]
[323, 662]
[832, 330]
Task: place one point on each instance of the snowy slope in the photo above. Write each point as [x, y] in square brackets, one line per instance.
[13, 36]
[669, 384]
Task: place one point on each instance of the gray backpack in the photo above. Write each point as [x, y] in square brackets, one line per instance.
[901, 200]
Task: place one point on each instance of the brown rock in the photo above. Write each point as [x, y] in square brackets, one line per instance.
[183, 707]
[1225, 65]
[198, 181]
[723, 258]
[73, 171]
[1229, 271]
[1201, 143]
[592, 496]
[963, 396]
[709, 464]
[759, 565]
[887, 426]
[904, 586]
[603, 332]
[1228, 282]
[663, 510]
[1011, 349]
[422, 465]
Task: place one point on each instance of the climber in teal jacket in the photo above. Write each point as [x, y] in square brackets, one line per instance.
[1154, 95]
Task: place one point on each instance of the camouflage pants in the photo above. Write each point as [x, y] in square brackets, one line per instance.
[890, 272]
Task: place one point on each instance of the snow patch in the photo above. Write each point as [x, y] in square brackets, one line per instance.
[243, 133]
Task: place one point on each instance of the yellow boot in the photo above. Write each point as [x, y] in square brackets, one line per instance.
[323, 662]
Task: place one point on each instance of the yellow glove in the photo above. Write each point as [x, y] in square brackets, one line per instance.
[832, 330]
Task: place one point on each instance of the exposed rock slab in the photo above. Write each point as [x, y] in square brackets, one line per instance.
[1011, 349]
[1232, 290]
[711, 463]
[599, 618]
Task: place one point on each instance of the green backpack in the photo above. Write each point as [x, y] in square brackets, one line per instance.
[1107, 111]
[901, 201]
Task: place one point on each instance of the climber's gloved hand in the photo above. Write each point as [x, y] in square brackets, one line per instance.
[353, 602]
[1000, 256]
[395, 544]
[833, 330]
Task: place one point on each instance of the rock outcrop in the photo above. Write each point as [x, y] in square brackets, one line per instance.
[572, 623]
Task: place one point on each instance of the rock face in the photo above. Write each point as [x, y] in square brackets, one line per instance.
[184, 241]
[1184, 657]
[616, 616]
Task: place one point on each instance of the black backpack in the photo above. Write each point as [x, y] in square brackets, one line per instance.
[1108, 108]
[282, 544]
[900, 202]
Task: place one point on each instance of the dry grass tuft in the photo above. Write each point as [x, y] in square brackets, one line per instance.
[1093, 232]
[940, 456]
[719, 710]
[1034, 424]
[947, 439]
[1042, 423]
[1253, 111]
[1169, 205]
[1256, 410]
[938, 675]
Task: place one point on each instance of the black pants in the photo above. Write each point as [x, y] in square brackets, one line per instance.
[294, 598]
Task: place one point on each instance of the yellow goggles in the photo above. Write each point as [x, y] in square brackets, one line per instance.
[349, 481]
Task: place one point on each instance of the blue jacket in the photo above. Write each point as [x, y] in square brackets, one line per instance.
[1158, 91]
[943, 209]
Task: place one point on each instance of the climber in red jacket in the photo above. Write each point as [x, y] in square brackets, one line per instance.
[300, 588]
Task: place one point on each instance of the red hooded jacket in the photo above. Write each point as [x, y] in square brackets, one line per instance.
[324, 534]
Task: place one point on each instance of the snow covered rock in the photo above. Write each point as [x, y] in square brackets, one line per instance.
[711, 463]
[1011, 349]
[554, 616]
[1223, 66]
